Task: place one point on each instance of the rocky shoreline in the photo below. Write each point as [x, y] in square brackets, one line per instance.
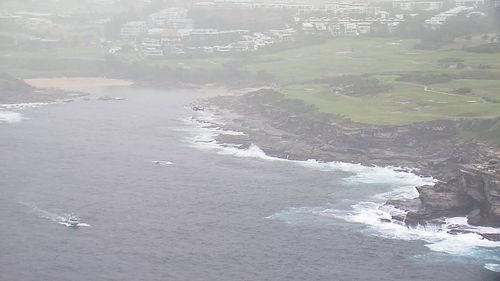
[467, 172]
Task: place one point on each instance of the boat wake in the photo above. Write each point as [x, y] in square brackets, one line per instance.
[63, 219]
[454, 236]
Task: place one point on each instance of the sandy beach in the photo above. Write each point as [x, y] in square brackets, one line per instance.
[75, 83]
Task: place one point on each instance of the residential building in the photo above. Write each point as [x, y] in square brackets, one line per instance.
[410, 5]
[212, 37]
[133, 29]
[283, 35]
[245, 4]
[151, 47]
[469, 3]
[439, 19]
[152, 52]
[291, 5]
[163, 17]
[319, 24]
[351, 9]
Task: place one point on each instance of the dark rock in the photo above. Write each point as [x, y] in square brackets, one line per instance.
[406, 204]
[491, 236]
[418, 218]
[444, 199]
[457, 231]
[475, 217]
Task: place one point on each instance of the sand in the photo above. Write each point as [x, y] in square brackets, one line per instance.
[75, 83]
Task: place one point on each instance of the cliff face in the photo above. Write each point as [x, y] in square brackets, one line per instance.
[481, 183]
[474, 192]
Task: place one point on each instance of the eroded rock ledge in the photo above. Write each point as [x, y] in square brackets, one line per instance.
[468, 172]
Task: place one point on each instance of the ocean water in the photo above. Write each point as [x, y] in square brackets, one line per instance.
[158, 199]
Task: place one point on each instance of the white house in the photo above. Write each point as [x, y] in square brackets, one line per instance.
[469, 3]
[410, 5]
[133, 29]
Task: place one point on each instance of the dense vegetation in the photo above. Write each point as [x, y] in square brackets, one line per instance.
[424, 78]
[356, 86]
[454, 27]
[485, 48]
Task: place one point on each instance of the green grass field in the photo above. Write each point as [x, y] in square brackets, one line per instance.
[297, 69]
[87, 61]
[52, 62]
[360, 56]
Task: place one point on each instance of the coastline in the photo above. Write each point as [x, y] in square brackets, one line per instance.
[426, 149]
[26, 93]
[467, 172]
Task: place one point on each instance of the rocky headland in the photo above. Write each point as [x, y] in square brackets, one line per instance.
[14, 90]
[467, 172]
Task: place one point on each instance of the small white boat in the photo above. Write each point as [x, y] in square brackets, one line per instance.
[72, 220]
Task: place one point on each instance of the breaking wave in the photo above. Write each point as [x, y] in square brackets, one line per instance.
[10, 117]
[492, 267]
[21, 106]
[9, 113]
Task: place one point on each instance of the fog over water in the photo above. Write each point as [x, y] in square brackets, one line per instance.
[205, 215]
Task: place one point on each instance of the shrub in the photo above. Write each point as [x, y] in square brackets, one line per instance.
[356, 85]
[425, 78]
[485, 48]
[462, 91]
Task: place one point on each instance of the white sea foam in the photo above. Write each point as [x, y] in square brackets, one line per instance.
[492, 267]
[395, 176]
[454, 237]
[10, 117]
[204, 129]
[21, 106]
[373, 213]
[208, 127]
[437, 237]
[9, 113]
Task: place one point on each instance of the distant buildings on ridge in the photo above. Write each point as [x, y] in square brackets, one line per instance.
[172, 31]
